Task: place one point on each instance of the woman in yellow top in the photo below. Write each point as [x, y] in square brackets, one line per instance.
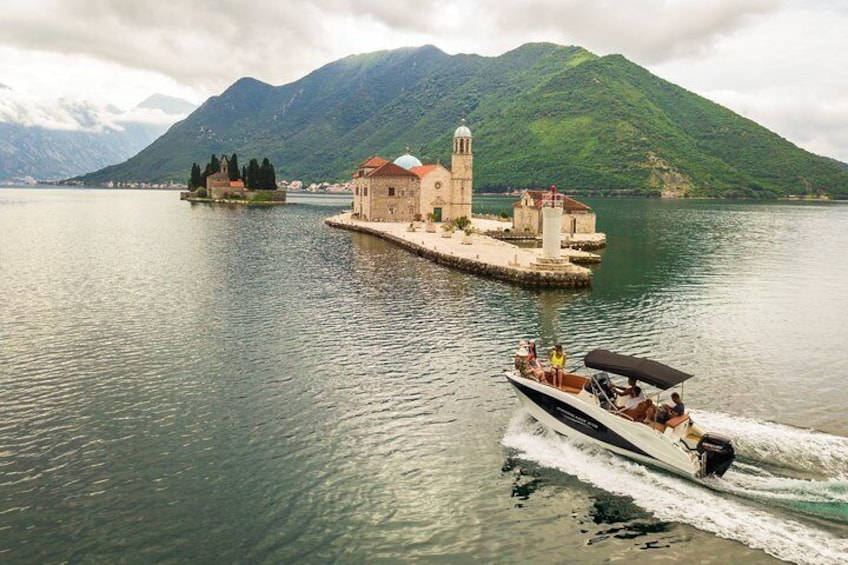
[557, 360]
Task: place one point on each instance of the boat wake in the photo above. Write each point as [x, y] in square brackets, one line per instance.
[802, 471]
[753, 504]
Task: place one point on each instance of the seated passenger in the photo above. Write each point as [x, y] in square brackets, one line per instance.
[667, 412]
[525, 366]
[521, 355]
[557, 359]
[637, 397]
[639, 407]
[531, 349]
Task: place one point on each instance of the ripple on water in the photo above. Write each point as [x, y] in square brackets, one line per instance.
[207, 384]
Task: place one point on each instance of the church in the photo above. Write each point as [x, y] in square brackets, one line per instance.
[405, 190]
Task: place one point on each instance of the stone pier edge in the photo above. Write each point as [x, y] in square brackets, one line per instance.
[519, 276]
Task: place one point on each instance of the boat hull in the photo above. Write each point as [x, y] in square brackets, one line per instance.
[579, 417]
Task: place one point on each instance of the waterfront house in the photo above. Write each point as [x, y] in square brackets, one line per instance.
[527, 214]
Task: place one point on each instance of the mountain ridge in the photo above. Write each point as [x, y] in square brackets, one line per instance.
[541, 114]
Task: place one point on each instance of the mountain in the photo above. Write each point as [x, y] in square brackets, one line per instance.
[168, 104]
[51, 140]
[541, 114]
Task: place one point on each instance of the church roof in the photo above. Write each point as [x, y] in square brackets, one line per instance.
[408, 161]
[568, 203]
[390, 170]
[423, 170]
[374, 161]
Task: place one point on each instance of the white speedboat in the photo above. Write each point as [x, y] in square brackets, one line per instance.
[585, 408]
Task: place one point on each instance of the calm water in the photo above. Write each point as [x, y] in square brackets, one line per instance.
[186, 383]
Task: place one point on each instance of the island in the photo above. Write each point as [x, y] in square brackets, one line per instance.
[403, 201]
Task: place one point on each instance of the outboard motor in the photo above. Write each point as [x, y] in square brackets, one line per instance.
[716, 453]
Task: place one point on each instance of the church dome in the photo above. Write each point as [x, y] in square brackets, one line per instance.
[462, 131]
[407, 161]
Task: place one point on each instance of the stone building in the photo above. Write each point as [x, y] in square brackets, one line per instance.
[407, 190]
[219, 185]
[527, 214]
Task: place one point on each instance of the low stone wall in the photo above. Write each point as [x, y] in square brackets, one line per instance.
[523, 277]
[581, 244]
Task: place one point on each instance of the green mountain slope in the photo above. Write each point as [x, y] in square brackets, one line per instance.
[541, 114]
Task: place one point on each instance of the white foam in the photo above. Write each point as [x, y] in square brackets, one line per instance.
[674, 499]
[783, 446]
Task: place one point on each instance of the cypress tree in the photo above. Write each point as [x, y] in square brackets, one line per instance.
[252, 179]
[196, 179]
[268, 178]
[235, 172]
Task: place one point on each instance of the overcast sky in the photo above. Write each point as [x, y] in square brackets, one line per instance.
[781, 63]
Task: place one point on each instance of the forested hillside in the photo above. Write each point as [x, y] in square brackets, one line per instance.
[541, 114]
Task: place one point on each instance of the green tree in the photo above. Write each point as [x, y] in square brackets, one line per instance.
[196, 179]
[251, 180]
[267, 176]
[235, 172]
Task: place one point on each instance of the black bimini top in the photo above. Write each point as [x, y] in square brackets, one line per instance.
[646, 370]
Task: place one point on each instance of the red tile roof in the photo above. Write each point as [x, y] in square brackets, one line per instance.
[423, 170]
[390, 170]
[374, 161]
[568, 203]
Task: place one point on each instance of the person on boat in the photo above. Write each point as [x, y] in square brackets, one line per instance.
[535, 365]
[527, 367]
[640, 408]
[637, 397]
[531, 348]
[667, 412]
[557, 360]
[626, 390]
[521, 355]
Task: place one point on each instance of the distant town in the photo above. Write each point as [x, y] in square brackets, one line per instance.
[289, 186]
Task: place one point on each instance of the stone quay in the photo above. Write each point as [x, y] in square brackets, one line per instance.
[476, 253]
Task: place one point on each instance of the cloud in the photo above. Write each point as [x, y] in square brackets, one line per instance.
[193, 49]
[74, 114]
[210, 45]
[650, 31]
[62, 114]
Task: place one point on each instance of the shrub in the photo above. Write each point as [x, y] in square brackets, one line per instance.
[263, 196]
[201, 192]
[462, 222]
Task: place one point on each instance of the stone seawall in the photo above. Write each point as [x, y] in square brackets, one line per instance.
[577, 277]
[583, 242]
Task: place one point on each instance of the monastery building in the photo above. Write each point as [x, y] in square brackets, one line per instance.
[407, 190]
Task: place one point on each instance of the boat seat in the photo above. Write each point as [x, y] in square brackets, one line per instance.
[572, 380]
[676, 421]
[671, 425]
[572, 389]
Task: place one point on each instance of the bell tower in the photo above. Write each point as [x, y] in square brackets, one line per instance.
[462, 175]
